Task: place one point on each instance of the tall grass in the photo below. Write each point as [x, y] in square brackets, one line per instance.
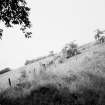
[50, 94]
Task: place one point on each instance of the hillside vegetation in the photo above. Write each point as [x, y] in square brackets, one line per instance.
[56, 80]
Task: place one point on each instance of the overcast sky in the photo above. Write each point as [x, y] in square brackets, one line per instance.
[55, 22]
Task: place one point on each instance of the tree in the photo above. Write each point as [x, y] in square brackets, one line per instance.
[70, 49]
[73, 45]
[73, 49]
[15, 12]
[102, 39]
[98, 33]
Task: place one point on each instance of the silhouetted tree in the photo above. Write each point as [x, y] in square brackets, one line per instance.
[15, 12]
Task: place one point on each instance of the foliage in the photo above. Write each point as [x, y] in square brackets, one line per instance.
[99, 35]
[15, 12]
[73, 45]
[70, 50]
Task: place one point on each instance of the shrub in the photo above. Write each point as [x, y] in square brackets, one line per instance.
[70, 50]
[73, 45]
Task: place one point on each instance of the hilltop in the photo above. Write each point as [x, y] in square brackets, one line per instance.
[78, 80]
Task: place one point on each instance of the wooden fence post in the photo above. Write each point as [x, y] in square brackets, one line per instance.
[9, 82]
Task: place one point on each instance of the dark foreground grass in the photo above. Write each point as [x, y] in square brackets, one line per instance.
[50, 95]
[54, 94]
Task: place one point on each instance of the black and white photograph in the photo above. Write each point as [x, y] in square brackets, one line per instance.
[52, 52]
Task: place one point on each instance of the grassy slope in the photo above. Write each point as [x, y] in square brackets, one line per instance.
[78, 80]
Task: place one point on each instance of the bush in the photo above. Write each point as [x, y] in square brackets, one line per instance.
[73, 45]
[70, 50]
